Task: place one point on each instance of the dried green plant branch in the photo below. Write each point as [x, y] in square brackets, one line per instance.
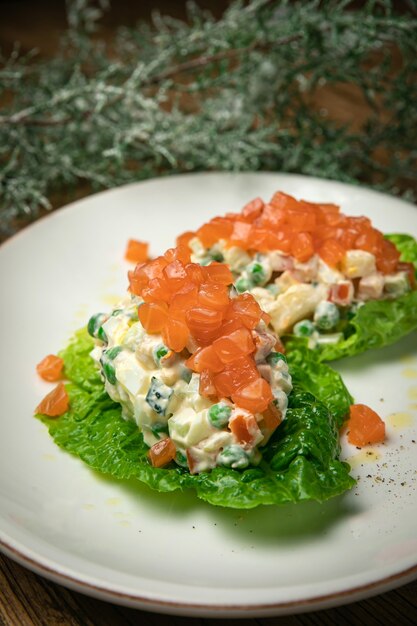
[229, 94]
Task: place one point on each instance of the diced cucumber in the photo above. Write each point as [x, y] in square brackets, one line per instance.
[158, 396]
[107, 364]
[219, 414]
[102, 335]
[94, 324]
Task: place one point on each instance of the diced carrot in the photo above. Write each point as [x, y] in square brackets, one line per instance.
[136, 251]
[341, 293]
[55, 403]
[50, 368]
[365, 426]
[162, 452]
[245, 428]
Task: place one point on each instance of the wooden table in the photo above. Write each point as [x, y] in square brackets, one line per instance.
[26, 598]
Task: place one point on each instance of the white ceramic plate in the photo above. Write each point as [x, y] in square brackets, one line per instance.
[172, 553]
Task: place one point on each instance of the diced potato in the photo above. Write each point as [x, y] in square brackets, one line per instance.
[358, 263]
[326, 274]
[197, 248]
[129, 373]
[116, 328]
[217, 441]
[298, 302]
[236, 258]
[286, 280]
[186, 428]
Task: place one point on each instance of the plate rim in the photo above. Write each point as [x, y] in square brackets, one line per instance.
[201, 609]
[52, 570]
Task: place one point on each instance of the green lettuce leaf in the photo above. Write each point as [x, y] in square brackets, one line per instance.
[299, 462]
[407, 245]
[377, 323]
[319, 379]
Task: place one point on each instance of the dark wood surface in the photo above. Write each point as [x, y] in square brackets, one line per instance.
[26, 598]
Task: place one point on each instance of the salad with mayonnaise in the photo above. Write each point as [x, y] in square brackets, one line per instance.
[161, 390]
[312, 269]
[185, 385]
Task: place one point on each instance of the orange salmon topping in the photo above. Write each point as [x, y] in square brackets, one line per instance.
[299, 228]
[55, 403]
[136, 251]
[365, 426]
[190, 306]
[50, 368]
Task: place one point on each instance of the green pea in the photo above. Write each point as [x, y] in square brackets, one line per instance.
[242, 284]
[107, 363]
[256, 273]
[233, 456]
[304, 328]
[274, 357]
[219, 415]
[326, 315]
